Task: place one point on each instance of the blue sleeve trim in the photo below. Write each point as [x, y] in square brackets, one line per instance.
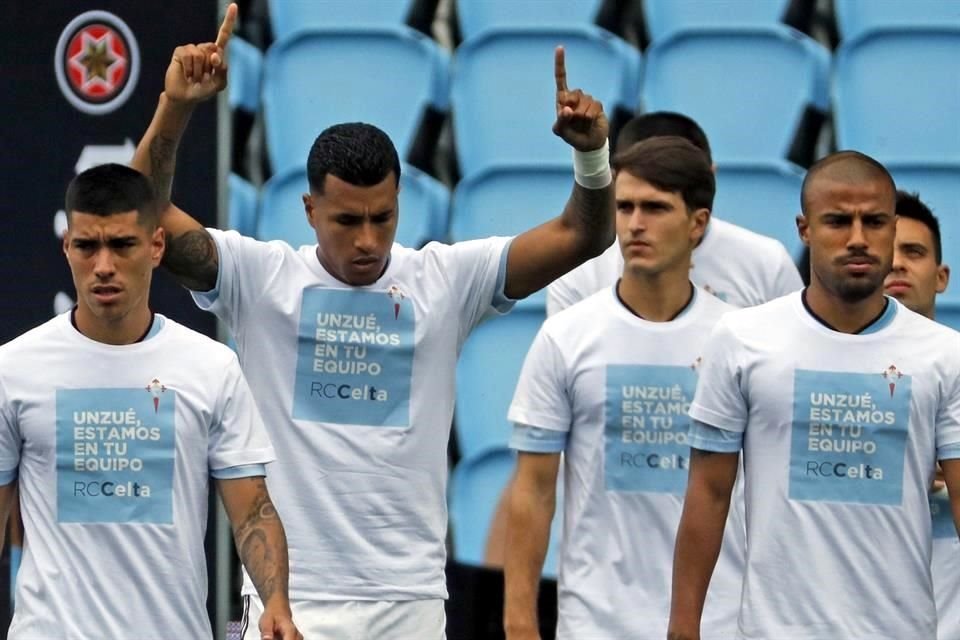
[949, 451]
[239, 471]
[709, 438]
[7, 476]
[500, 300]
[537, 440]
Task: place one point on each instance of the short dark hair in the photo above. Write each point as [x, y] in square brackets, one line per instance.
[355, 152]
[663, 123]
[845, 165]
[109, 189]
[910, 206]
[671, 163]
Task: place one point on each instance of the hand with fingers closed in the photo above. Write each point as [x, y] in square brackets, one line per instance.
[580, 118]
[197, 72]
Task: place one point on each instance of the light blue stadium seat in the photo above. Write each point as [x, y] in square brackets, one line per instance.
[487, 374]
[764, 198]
[897, 94]
[856, 17]
[290, 16]
[663, 17]
[939, 188]
[509, 200]
[748, 88]
[478, 15]
[948, 313]
[242, 205]
[503, 91]
[424, 204]
[244, 75]
[476, 485]
[386, 76]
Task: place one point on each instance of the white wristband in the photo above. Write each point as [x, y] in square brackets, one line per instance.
[591, 169]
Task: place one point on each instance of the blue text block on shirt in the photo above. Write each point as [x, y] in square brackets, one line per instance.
[115, 455]
[849, 436]
[355, 357]
[646, 446]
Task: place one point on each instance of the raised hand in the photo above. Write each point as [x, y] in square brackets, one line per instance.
[198, 72]
[580, 118]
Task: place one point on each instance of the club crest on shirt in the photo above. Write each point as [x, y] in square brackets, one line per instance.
[717, 294]
[696, 364]
[397, 295]
[892, 374]
[156, 388]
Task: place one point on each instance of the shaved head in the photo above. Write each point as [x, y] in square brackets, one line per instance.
[846, 167]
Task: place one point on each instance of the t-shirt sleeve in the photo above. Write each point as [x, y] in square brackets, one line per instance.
[948, 420]
[10, 440]
[244, 268]
[563, 292]
[238, 437]
[478, 272]
[540, 409]
[719, 400]
[786, 276]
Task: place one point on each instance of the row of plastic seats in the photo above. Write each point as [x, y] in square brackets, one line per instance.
[662, 17]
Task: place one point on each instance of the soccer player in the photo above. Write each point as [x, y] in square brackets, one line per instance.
[917, 277]
[607, 382]
[350, 346]
[841, 400]
[739, 266]
[114, 418]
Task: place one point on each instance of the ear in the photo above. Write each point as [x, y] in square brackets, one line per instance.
[943, 278]
[308, 207]
[698, 225]
[66, 243]
[803, 229]
[158, 244]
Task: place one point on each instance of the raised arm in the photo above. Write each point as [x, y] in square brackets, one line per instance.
[262, 546]
[699, 537]
[196, 73]
[532, 501]
[585, 228]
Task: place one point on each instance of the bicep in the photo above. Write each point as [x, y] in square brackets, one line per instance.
[244, 498]
[191, 253]
[712, 474]
[537, 473]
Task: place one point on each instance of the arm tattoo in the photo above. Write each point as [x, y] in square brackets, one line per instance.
[163, 160]
[592, 211]
[262, 545]
[192, 259]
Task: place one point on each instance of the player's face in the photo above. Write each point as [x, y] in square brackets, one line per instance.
[355, 227]
[112, 259]
[655, 229]
[849, 229]
[916, 278]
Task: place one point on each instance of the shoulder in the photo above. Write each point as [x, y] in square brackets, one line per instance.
[196, 346]
[37, 337]
[761, 317]
[739, 239]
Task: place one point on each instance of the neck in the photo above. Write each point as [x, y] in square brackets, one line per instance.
[842, 315]
[126, 330]
[656, 297]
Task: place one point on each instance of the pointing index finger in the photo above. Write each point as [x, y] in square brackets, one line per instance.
[560, 70]
[226, 29]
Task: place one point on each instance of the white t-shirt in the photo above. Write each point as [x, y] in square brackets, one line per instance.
[611, 391]
[114, 446]
[738, 266]
[356, 386]
[945, 567]
[840, 435]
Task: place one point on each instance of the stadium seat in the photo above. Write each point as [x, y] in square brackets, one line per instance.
[856, 17]
[750, 89]
[244, 75]
[476, 16]
[290, 16]
[503, 91]
[476, 485]
[663, 17]
[506, 201]
[387, 76]
[938, 186]
[242, 205]
[487, 374]
[424, 203]
[897, 94]
[764, 198]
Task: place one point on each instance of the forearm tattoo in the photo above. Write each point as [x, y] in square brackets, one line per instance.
[192, 259]
[163, 157]
[262, 546]
[587, 207]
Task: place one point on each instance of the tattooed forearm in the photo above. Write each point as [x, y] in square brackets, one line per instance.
[262, 546]
[192, 259]
[163, 159]
[592, 211]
